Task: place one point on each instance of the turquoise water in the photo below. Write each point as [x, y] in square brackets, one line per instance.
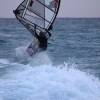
[68, 70]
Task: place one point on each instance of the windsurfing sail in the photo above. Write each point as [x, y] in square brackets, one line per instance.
[40, 13]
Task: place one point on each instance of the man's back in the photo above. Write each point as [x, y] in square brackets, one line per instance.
[43, 41]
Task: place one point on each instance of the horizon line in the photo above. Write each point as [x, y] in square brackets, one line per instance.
[57, 17]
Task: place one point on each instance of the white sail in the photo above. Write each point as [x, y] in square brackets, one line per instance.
[41, 13]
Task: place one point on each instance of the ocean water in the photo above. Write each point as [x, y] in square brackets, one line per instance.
[68, 70]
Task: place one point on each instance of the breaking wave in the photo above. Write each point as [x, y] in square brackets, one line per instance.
[39, 80]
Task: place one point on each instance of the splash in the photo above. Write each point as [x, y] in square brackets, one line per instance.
[46, 82]
[21, 53]
[38, 59]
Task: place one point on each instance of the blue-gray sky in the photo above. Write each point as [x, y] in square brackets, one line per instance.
[69, 8]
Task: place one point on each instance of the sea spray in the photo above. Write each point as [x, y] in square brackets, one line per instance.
[38, 59]
[47, 82]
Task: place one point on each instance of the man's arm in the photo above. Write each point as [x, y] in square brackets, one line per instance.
[47, 33]
[36, 35]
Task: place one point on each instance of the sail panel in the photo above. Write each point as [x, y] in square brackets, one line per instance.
[54, 5]
[36, 20]
[36, 7]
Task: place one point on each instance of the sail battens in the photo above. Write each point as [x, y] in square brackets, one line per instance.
[39, 16]
[36, 14]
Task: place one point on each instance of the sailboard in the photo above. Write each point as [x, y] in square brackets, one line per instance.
[38, 13]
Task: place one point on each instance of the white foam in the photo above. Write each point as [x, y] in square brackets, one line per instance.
[5, 35]
[48, 82]
[21, 53]
[3, 62]
[38, 59]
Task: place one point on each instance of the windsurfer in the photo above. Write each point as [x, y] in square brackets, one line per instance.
[32, 14]
[43, 41]
[40, 45]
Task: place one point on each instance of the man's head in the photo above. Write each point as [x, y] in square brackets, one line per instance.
[42, 34]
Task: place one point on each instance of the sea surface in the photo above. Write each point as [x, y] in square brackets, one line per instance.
[68, 70]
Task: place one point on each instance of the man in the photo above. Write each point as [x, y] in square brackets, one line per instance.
[43, 41]
[39, 45]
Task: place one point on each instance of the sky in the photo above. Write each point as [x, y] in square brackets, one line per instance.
[68, 8]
